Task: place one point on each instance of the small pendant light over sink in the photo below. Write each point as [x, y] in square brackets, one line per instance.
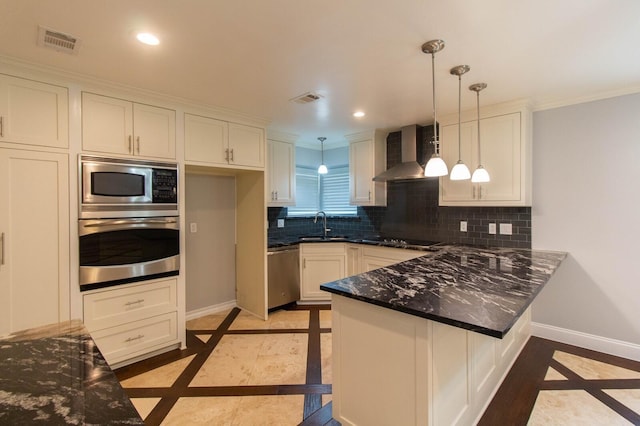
[435, 166]
[322, 170]
[480, 174]
[460, 171]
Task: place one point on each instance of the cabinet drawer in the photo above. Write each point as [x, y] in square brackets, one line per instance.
[138, 337]
[393, 255]
[111, 307]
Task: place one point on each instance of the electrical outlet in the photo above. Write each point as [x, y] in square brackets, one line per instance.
[280, 223]
[492, 228]
[193, 227]
[463, 226]
[506, 229]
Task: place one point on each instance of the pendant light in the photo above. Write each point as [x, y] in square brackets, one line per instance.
[436, 165]
[460, 171]
[480, 174]
[322, 170]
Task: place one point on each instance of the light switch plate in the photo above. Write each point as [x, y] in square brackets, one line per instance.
[463, 226]
[492, 228]
[193, 227]
[280, 223]
[506, 229]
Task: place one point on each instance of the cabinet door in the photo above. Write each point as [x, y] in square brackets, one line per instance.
[34, 228]
[205, 140]
[461, 190]
[154, 131]
[282, 177]
[361, 172]
[24, 103]
[317, 270]
[246, 145]
[107, 124]
[501, 156]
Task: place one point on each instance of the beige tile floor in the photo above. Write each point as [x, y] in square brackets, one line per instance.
[280, 358]
[577, 406]
[243, 360]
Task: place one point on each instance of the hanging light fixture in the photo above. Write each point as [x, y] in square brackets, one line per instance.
[322, 169]
[436, 165]
[480, 174]
[460, 171]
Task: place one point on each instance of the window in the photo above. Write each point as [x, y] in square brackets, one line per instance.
[329, 193]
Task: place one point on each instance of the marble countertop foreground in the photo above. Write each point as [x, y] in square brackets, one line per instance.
[480, 289]
[56, 375]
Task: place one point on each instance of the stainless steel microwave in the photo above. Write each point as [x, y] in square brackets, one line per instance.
[118, 188]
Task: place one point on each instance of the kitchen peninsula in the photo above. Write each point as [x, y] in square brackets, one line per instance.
[56, 375]
[429, 340]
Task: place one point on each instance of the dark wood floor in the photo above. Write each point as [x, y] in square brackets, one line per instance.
[514, 401]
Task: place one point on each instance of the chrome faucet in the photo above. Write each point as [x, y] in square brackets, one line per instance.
[324, 222]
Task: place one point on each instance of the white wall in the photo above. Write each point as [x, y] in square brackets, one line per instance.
[210, 263]
[586, 201]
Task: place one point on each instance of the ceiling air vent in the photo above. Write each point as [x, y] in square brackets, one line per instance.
[306, 98]
[57, 40]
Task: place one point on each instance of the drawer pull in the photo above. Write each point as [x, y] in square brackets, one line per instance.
[135, 302]
[130, 151]
[132, 339]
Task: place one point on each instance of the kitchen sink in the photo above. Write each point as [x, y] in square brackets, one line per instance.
[321, 238]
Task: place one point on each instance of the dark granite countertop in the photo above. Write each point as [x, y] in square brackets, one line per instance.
[480, 289]
[56, 375]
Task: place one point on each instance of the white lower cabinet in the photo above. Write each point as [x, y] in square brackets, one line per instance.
[434, 374]
[134, 319]
[320, 263]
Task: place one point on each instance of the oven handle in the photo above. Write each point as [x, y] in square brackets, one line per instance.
[99, 225]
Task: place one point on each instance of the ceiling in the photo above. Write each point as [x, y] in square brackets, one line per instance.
[253, 56]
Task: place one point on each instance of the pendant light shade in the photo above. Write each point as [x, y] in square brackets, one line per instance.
[322, 169]
[480, 174]
[435, 166]
[460, 171]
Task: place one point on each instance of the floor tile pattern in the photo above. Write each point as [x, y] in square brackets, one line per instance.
[553, 383]
[240, 370]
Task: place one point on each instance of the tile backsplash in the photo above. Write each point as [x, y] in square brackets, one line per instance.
[412, 213]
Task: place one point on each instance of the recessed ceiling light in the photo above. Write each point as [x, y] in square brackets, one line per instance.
[358, 114]
[148, 38]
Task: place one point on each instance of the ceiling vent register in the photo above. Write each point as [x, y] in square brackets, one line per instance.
[58, 41]
[306, 98]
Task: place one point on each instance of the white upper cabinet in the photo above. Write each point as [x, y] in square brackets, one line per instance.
[117, 126]
[281, 173]
[215, 142]
[506, 154]
[367, 158]
[24, 103]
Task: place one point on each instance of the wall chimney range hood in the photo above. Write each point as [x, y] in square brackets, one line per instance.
[409, 167]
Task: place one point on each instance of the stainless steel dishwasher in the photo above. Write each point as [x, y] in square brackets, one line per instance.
[283, 275]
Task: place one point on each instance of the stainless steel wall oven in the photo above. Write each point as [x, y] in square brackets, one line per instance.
[129, 229]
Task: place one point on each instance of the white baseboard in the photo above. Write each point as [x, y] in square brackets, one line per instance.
[588, 341]
[213, 309]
